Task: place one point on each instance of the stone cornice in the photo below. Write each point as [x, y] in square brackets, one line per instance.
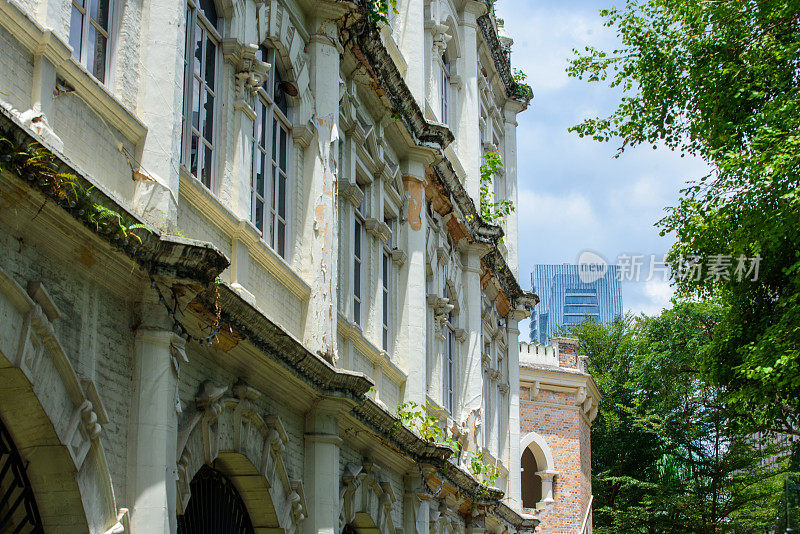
[279, 345]
[502, 59]
[425, 133]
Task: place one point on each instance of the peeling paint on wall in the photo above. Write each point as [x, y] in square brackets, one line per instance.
[323, 249]
[415, 197]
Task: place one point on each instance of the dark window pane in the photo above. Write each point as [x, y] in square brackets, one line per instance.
[195, 96]
[193, 158]
[76, 32]
[258, 124]
[208, 118]
[198, 49]
[282, 197]
[99, 61]
[207, 167]
[281, 239]
[99, 13]
[209, 10]
[275, 129]
[283, 149]
[259, 215]
[357, 279]
[357, 312]
[259, 170]
[357, 246]
[211, 58]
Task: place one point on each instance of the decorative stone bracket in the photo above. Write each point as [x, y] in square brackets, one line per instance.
[351, 192]
[363, 492]
[378, 229]
[250, 72]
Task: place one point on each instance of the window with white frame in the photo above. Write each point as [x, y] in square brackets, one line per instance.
[90, 35]
[444, 90]
[359, 247]
[449, 364]
[200, 91]
[386, 290]
[271, 155]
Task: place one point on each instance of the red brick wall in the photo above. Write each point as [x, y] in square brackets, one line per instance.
[554, 416]
[567, 355]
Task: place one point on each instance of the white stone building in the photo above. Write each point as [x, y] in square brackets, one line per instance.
[311, 177]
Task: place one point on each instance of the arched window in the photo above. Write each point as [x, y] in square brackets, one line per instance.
[271, 156]
[200, 90]
[538, 472]
[90, 35]
[215, 506]
[531, 482]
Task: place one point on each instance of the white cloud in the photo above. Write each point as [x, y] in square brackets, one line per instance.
[544, 38]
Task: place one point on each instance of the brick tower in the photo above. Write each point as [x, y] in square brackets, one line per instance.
[558, 401]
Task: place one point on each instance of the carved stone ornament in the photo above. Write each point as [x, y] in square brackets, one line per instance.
[363, 492]
[223, 425]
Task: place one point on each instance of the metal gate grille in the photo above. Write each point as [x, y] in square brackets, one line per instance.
[215, 507]
[18, 511]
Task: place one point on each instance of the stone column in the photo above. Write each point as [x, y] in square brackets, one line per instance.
[471, 386]
[320, 225]
[466, 128]
[514, 458]
[547, 488]
[321, 473]
[412, 45]
[160, 105]
[416, 511]
[153, 426]
[411, 339]
[510, 112]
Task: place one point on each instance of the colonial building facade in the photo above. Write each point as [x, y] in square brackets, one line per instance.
[236, 235]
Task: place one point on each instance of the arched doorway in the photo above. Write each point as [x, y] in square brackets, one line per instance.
[215, 506]
[538, 472]
[18, 509]
[531, 481]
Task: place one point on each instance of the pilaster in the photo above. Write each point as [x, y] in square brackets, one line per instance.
[466, 129]
[471, 383]
[511, 241]
[411, 339]
[160, 102]
[321, 222]
[153, 427]
[321, 470]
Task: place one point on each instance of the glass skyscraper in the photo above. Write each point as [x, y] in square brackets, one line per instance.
[565, 298]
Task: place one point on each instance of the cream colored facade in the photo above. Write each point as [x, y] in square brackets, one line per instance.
[317, 259]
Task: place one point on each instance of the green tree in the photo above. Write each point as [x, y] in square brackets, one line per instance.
[720, 80]
[665, 456]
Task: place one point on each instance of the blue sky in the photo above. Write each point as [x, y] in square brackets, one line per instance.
[573, 194]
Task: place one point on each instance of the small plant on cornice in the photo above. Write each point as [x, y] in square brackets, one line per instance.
[485, 472]
[378, 10]
[492, 210]
[37, 165]
[417, 418]
[523, 89]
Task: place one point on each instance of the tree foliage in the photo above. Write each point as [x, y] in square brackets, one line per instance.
[721, 80]
[665, 456]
